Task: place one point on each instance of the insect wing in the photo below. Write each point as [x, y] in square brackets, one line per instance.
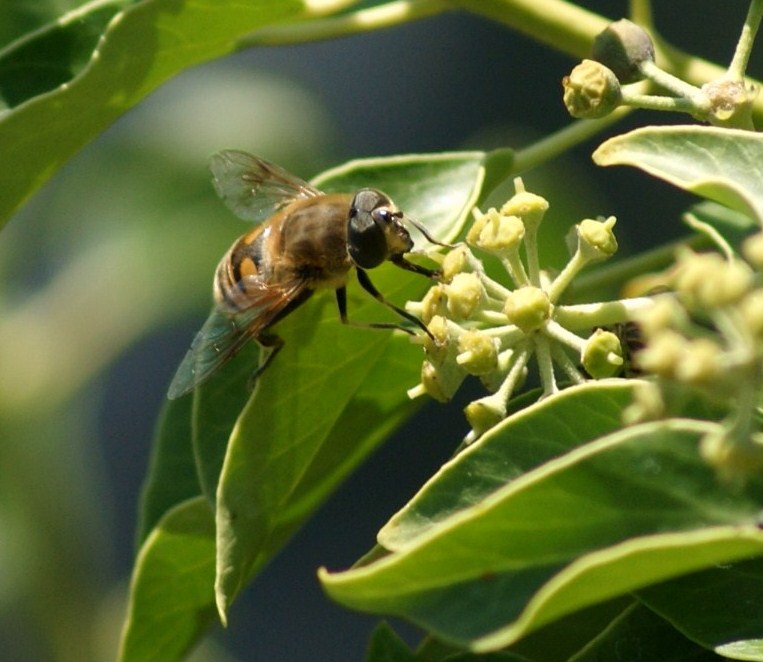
[253, 188]
[225, 333]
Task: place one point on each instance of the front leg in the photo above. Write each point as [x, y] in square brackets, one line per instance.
[401, 262]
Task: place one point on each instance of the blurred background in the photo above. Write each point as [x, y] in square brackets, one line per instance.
[106, 275]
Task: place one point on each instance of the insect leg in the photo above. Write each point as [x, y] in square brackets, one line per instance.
[271, 344]
[401, 262]
[368, 286]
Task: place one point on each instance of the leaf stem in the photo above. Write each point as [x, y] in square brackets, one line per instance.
[738, 66]
[382, 16]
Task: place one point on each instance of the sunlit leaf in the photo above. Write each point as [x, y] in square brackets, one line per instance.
[171, 475]
[171, 597]
[534, 435]
[631, 509]
[724, 165]
[142, 47]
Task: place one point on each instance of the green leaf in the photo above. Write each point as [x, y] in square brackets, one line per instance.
[386, 646]
[55, 53]
[334, 392]
[631, 509]
[645, 636]
[142, 47]
[724, 165]
[171, 593]
[720, 608]
[542, 431]
[171, 475]
[216, 406]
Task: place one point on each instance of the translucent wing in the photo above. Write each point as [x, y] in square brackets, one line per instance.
[225, 332]
[252, 188]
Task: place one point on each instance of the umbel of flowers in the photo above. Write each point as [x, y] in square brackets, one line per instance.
[491, 329]
[707, 337]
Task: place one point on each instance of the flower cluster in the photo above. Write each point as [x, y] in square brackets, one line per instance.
[623, 55]
[489, 329]
[707, 336]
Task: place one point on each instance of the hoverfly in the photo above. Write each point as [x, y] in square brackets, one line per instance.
[305, 240]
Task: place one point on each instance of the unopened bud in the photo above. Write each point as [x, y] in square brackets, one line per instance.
[464, 294]
[591, 91]
[478, 352]
[596, 239]
[495, 232]
[602, 355]
[528, 308]
[623, 46]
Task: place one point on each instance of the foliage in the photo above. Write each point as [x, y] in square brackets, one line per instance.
[616, 518]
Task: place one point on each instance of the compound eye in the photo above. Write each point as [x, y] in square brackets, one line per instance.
[366, 237]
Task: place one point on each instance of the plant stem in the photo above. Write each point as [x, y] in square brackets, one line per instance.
[738, 65]
[382, 16]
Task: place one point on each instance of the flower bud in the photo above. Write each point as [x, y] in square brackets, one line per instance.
[752, 249]
[478, 352]
[484, 414]
[441, 381]
[464, 295]
[734, 459]
[495, 232]
[591, 91]
[456, 261]
[701, 364]
[596, 239]
[751, 310]
[529, 207]
[663, 354]
[708, 280]
[602, 355]
[623, 46]
[433, 303]
[528, 308]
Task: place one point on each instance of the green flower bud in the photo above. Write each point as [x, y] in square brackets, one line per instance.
[602, 355]
[662, 354]
[456, 261]
[529, 207]
[433, 303]
[701, 363]
[596, 239]
[528, 308]
[752, 249]
[591, 91]
[484, 414]
[623, 46]
[708, 280]
[734, 459]
[665, 313]
[441, 381]
[478, 352]
[464, 295]
[495, 232]
[751, 309]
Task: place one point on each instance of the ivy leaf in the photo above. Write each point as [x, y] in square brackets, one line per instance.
[172, 469]
[720, 608]
[171, 598]
[631, 509]
[142, 47]
[536, 434]
[723, 165]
